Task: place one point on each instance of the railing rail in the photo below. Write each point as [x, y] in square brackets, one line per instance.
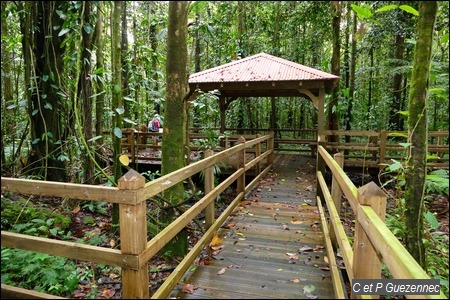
[373, 242]
[361, 148]
[131, 195]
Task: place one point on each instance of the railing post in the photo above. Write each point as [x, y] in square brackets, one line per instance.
[383, 137]
[257, 154]
[270, 147]
[366, 263]
[374, 142]
[320, 165]
[209, 186]
[131, 142]
[336, 194]
[241, 164]
[133, 237]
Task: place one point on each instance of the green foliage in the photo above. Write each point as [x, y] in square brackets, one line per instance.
[96, 207]
[437, 182]
[38, 271]
[25, 216]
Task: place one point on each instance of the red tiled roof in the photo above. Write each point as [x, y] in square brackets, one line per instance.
[260, 67]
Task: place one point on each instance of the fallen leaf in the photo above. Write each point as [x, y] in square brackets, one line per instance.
[215, 248]
[292, 255]
[108, 293]
[188, 288]
[221, 271]
[295, 221]
[229, 225]
[305, 248]
[76, 209]
[295, 280]
[325, 258]
[285, 227]
[215, 241]
[240, 233]
[308, 289]
[112, 243]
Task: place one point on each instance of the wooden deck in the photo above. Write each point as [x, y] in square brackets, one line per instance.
[273, 245]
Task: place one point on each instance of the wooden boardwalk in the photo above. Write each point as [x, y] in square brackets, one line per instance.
[273, 245]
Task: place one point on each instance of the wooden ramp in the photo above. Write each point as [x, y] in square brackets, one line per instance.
[273, 245]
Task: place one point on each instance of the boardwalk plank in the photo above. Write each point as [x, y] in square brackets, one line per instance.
[264, 239]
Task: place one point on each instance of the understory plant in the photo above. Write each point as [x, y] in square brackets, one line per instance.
[435, 241]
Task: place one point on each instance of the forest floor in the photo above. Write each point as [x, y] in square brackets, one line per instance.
[103, 282]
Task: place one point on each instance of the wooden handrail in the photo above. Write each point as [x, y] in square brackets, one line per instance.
[131, 194]
[373, 240]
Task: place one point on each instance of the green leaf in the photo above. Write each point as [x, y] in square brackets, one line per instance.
[129, 99]
[48, 106]
[44, 78]
[99, 71]
[88, 28]
[395, 166]
[38, 221]
[118, 132]
[95, 138]
[431, 219]
[116, 89]
[405, 145]
[363, 12]
[11, 106]
[129, 121]
[444, 38]
[64, 31]
[308, 289]
[120, 110]
[193, 268]
[403, 112]
[387, 7]
[409, 9]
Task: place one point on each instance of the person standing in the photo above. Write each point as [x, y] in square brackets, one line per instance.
[154, 126]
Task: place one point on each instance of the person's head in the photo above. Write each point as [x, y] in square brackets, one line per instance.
[155, 116]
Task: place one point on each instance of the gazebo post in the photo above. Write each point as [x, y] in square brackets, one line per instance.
[321, 116]
[223, 107]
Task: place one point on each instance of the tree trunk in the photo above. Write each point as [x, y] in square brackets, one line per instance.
[7, 85]
[46, 131]
[154, 45]
[100, 99]
[125, 63]
[417, 128]
[117, 97]
[85, 90]
[351, 78]
[333, 123]
[395, 123]
[174, 138]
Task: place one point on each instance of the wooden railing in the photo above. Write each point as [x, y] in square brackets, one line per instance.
[378, 148]
[373, 242]
[131, 195]
[372, 149]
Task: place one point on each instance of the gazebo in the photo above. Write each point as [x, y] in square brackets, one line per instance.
[264, 75]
